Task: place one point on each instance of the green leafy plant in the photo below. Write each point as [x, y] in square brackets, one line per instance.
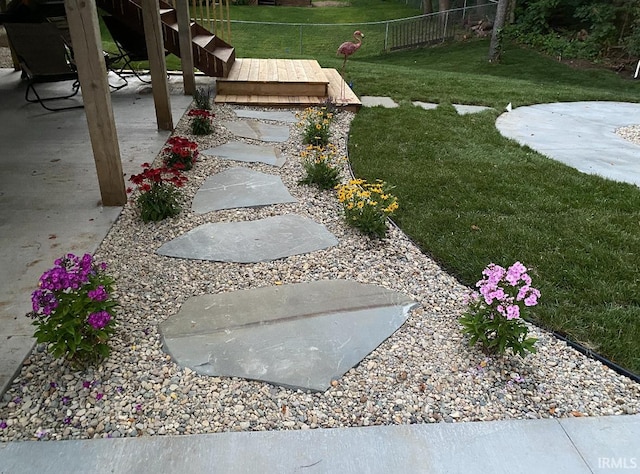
[315, 124]
[158, 193]
[320, 165]
[202, 98]
[201, 121]
[367, 205]
[73, 310]
[180, 153]
[494, 318]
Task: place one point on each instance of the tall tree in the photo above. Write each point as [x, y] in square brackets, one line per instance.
[498, 24]
[427, 7]
[444, 5]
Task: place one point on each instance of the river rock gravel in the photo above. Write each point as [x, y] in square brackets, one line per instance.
[631, 133]
[424, 373]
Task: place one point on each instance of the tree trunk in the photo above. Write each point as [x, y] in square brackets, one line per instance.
[444, 5]
[494, 47]
[427, 7]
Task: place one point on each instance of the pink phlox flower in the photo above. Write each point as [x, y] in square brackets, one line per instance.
[513, 311]
[494, 273]
[499, 294]
[532, 299]
[514, 273]
[523, 292]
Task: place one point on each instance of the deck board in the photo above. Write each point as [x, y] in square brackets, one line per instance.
[284, 83]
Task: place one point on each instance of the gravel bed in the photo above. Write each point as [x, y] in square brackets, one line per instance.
[631, 133]
[424, 373]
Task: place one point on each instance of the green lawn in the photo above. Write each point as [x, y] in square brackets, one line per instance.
[469, 197]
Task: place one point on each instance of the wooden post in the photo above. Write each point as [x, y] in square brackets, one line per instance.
[186, 50]
[82, 17]
[157, 63]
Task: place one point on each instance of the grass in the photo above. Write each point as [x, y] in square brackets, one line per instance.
[469, 196]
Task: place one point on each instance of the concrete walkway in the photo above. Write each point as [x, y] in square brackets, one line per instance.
[567, 446]
[50, 202]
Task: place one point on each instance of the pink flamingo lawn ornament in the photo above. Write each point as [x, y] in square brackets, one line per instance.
[347, 48]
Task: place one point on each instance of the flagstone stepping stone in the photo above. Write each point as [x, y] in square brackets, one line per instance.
[251, 241]
[470, 109]
[375, 101]
[425, 105]
[258, 130]
[240, 187]
[301, 336]
[240, 151]
[277, 115]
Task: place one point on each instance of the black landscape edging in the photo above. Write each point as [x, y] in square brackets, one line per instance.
[594, 355]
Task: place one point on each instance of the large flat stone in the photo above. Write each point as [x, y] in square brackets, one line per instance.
[258, 130]
[470, 109]
[240, 187]
[425, 105]
[301, 336]
[276, 115]
[240, 151]
[251, 241]
[377, 101]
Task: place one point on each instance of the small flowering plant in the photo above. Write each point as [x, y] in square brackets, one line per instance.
[367, 205]
[494, 318]
[73, 310]
[202, 98]
[321, 166]
[158, 193]
[201, 121]
[180, 153]
[315, 124]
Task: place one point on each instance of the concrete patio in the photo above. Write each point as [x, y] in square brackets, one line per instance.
[49, 195]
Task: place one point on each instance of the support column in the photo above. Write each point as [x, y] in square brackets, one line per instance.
[157, 63]
[82, 17]
[186, 50]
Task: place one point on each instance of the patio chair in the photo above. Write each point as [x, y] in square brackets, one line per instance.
[44, 58]
[131, 45]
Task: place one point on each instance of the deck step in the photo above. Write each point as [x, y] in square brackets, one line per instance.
[274, 77]
[243, 85]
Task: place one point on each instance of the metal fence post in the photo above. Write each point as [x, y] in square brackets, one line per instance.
[386, 37]
[300, 39]
[446, 22]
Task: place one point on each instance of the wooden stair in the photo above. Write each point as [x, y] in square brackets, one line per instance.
[284, 83]
[211, 55]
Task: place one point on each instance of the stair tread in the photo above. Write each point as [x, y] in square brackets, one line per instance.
[211, 55]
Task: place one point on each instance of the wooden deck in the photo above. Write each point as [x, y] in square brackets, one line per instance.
[284, 83]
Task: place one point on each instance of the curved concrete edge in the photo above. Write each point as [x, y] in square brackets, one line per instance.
[569, 446]
[579, 134]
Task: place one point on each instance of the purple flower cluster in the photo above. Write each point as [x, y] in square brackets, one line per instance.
[99, 294]
[44, 302]
[68, 274]
[499, 287]
[99, 320]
